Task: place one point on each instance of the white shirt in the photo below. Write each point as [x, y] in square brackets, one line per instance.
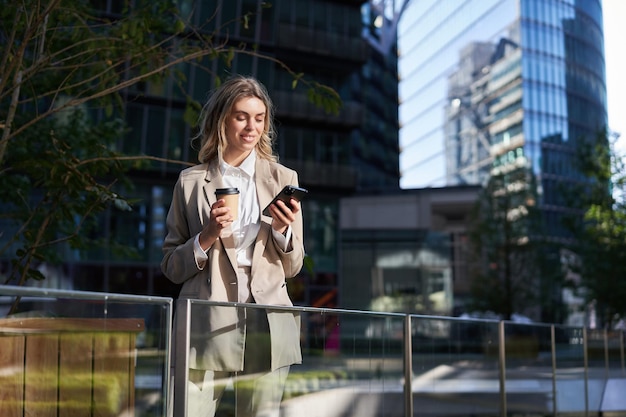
[246, 228]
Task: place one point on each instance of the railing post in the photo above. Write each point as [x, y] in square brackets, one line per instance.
[408, 367]
[166, 390]
[621, 351]
[554, 393]
[502, 367]
[181, 359]
[586, 370]
[606, 354]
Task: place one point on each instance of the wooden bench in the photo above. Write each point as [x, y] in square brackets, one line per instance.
[67, 367]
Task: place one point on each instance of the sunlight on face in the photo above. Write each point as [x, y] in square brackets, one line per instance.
[244, 128]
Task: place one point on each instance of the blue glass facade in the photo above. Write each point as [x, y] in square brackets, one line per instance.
[504, 90]
[497, 84]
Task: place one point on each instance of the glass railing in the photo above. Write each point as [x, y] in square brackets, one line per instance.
[455, 367]
[352, 361]
[70, 353]
[78, 353]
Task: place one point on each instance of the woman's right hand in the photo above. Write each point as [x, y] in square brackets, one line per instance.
[220, 218]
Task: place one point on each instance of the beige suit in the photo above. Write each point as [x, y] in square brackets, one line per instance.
[218, 333]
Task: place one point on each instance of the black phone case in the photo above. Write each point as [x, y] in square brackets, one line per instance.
[288, 192]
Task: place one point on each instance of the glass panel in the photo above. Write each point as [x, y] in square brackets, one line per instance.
[289, 143]
[455, 366]
[177, 138]
[616, 354]
[321, 233]
[350, 364]
[529, 389]
[154, 131]
[570, 370]
[598, 361]
[135, 118]
[69, 353]
[303, 14]
[309, 146]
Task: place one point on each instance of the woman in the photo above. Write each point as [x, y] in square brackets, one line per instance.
[244, 259]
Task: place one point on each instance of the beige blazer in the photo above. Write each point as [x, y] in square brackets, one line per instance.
[218, 333]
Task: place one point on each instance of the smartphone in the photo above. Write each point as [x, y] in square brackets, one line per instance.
[286, 194]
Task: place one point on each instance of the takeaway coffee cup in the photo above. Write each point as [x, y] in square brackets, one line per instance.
[231, 197]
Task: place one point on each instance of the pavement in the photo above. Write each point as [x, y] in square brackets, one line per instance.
[446, 390]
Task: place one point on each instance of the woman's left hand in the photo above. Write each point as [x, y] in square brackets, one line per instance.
[283, 214]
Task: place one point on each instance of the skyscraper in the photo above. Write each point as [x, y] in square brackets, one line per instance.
[507, 90]
[490, 83]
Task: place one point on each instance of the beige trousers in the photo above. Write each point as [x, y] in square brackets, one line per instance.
[255, 395]
[257, 390]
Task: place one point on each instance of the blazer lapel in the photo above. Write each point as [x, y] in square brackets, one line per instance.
[266, 188]
[266, 185]
[213, 181]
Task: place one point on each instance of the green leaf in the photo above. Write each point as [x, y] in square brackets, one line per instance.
[296, 79]
[122, 204]
[228, 58]
[35, 274]
[309, 264]
[179, 26]
[191, 115]
[108, 109]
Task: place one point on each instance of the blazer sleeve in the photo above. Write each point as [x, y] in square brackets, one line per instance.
[178, 263]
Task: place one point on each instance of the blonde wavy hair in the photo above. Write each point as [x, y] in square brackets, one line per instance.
[212, 122]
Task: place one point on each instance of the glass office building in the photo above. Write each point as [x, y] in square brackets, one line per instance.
[507, 90]
[335, 155]
[498, 85]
